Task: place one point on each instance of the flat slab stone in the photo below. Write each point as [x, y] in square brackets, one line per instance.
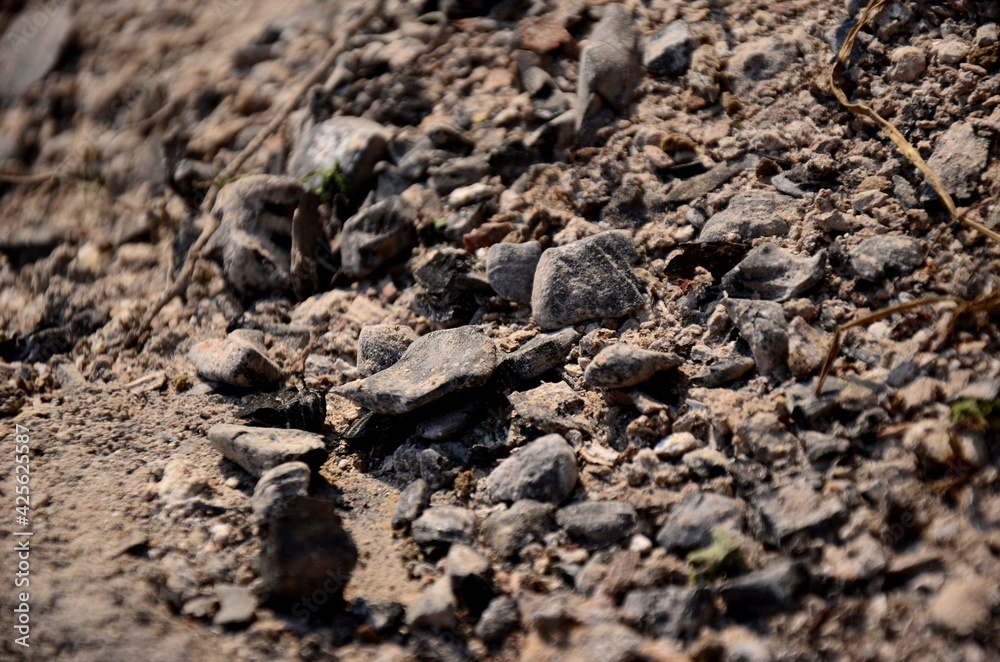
[238, 360]
[433, 366]
[260, 449]
[749, 216]
[587, 279]
[32, 45]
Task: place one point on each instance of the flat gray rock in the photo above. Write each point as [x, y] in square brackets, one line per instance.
[543, 470]
[960, 157]
[676, 612]
[762, 324]
[622, 365]
[432, 367]
[441, 526]
[507, 531]
[792, 509]
[769, 272]
[511, 269]
[236, 606]
[381, 345]
[376, 235]
[239, 360]
[597, 521]
[886, 255]
[689, 525]
[500, 617]
[540, 354]
[354, 144]
[750, 216]
[278, 487]
[412, 502]
[258, 449]
[588, 279]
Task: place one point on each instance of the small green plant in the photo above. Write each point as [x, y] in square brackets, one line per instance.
[720, 559]
[976, 414]
[333, 183]
[441, 223]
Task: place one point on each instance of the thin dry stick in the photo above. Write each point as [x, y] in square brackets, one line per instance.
[178, 287]
[860, 109]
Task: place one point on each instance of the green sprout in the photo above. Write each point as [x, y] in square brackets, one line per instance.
[720, 559]
[441, 223]
[980, 415]
[333, 183]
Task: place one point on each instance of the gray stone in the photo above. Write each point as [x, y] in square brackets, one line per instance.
[540, 354]
[807, 348]
[792, 509]
[511, 269]
[543, 470]
[687, 190]
[288, 408]
[278, 487]
[441, 526]
[819, 446]
[500, 617]
[622, 365]
[767, 439]
[551, 407]
[588, 279]
[412, 502]
[435, 365]
[258, 216]
[886, 255]
[673, 611]
[764, 591]
[434, 608]
[677, 444]
[471, 575]
[31, 47]
[307, 550]
[239, 360]
[768, 272]
[959, 158]
[381, 346]
[598, 521]
[610, 64]
[457, 173]
[376, 235]
[690, 523]
[759, 60]
[236, 606]
[353, 144]
[750, 216]
[668, 52]
[762, 324]
[258, 449]
[507, 531]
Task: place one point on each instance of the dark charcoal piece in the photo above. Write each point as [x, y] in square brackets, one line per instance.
[718, 257]
[765, 591]
[289, 408]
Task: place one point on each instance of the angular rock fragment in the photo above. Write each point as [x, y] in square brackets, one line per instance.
[500, 617]
[960, 158]
[597, 521]
[258, 449]
[376, 235]
[289, 408]
[434, 608]
[351, 144]
[690, 523]
[471, 574]
[258, 216]
[610, 64]
[507, 531]
[673, 611]
[278, 487]
[762, 324]
[687, 190]
[449, 281]
[511, 269]
[236, 606]
[886, 255]
[543, 470]
[764, 591]
[540, 354]
[768, 272]
[381, 346]
[791, 509]
[412, 502]
[307, 551]
[435, 365]
[668, 52]
[807, 348]
[623, 365]
[239, 360]
[588, 279]
[551, 407]
[441, 526]
[750, 216]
